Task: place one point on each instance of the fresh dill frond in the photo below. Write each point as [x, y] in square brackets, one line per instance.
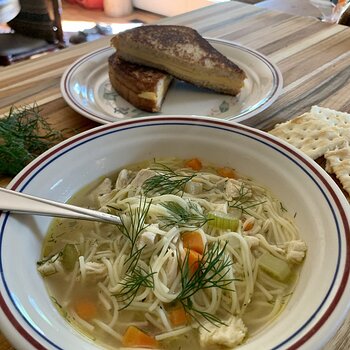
[199, 315]
[211, 272]
[165, 181]
[183, 217]
[133, 259]
[132, 283]
[243, 200]
[135, 222]
[24, 135]
[136, 276]
[282, 207]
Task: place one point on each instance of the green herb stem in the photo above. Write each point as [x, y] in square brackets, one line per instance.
[166, 181]
[132, 283]
[183, 217]
[212, 272]
[24, 135]
[243, 200]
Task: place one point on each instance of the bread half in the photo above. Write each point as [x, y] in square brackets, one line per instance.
[144, 87]
[181, 52]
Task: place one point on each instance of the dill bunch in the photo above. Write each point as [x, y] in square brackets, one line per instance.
[166, 181]
[212, 272]
[132, 283]
[183, 217]
[24, 135]
[243, 201]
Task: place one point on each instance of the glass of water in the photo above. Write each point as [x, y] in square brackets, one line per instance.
[327, 9]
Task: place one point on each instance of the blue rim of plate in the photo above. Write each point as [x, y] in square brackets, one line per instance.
[311, 169]
[243, 116]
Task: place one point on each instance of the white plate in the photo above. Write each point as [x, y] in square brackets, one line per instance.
[86, 88]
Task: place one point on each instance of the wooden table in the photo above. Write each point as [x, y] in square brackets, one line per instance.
[313, 57]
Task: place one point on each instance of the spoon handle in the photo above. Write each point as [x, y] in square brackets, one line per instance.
[26, 204]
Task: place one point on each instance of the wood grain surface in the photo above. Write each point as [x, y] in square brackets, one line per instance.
[314, 59]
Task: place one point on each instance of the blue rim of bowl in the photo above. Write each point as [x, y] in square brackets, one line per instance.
[247, 114]
[305, 164]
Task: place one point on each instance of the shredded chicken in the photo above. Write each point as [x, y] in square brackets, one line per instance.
[295, 251]
[222, 207]
[51, 266]
[229, 335]
[142, 176]
[123, 179]
[233, 189]
[104, 187]
[146, 238]
[193, 187]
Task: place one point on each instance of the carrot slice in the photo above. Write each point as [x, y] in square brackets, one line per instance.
[193, 240]
[178, 316]
[136, 338]
[194, 164]
[193, 260]
[85, 309]
[248, 226]
[226, 172]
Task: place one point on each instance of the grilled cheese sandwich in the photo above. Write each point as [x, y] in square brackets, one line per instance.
[144, 87]
[181, 52]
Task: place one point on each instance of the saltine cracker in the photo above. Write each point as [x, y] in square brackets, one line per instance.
[338, 162]
[321, 132]
[311, 135]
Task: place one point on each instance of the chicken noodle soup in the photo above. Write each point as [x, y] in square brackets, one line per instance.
[204, 258]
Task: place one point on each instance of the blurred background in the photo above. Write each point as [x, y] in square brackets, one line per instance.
[29, 28]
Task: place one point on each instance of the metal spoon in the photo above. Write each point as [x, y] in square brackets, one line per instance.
[18, 202]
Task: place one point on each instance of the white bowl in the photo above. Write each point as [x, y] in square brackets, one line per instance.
[321, 299]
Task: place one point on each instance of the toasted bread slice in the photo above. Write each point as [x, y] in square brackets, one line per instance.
[144, 87]
[181, 52]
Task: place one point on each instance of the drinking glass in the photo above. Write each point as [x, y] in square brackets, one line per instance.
[327, 9]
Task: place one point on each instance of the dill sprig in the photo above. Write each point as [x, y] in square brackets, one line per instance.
[132, 283]
[183, 217]
[282, 207]
[199, 315]
[136, 276]
[133, 259]
[24, 135]
[243, 200]
[132, 229]
[212, 272]
[166, 181]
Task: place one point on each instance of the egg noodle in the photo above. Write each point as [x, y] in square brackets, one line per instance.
[204, 258]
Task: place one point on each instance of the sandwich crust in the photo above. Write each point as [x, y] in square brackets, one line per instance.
[182, 52]
[143, 87]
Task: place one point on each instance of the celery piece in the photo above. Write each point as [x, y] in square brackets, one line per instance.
[275, 267]
[70, 256]
[223, 221]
